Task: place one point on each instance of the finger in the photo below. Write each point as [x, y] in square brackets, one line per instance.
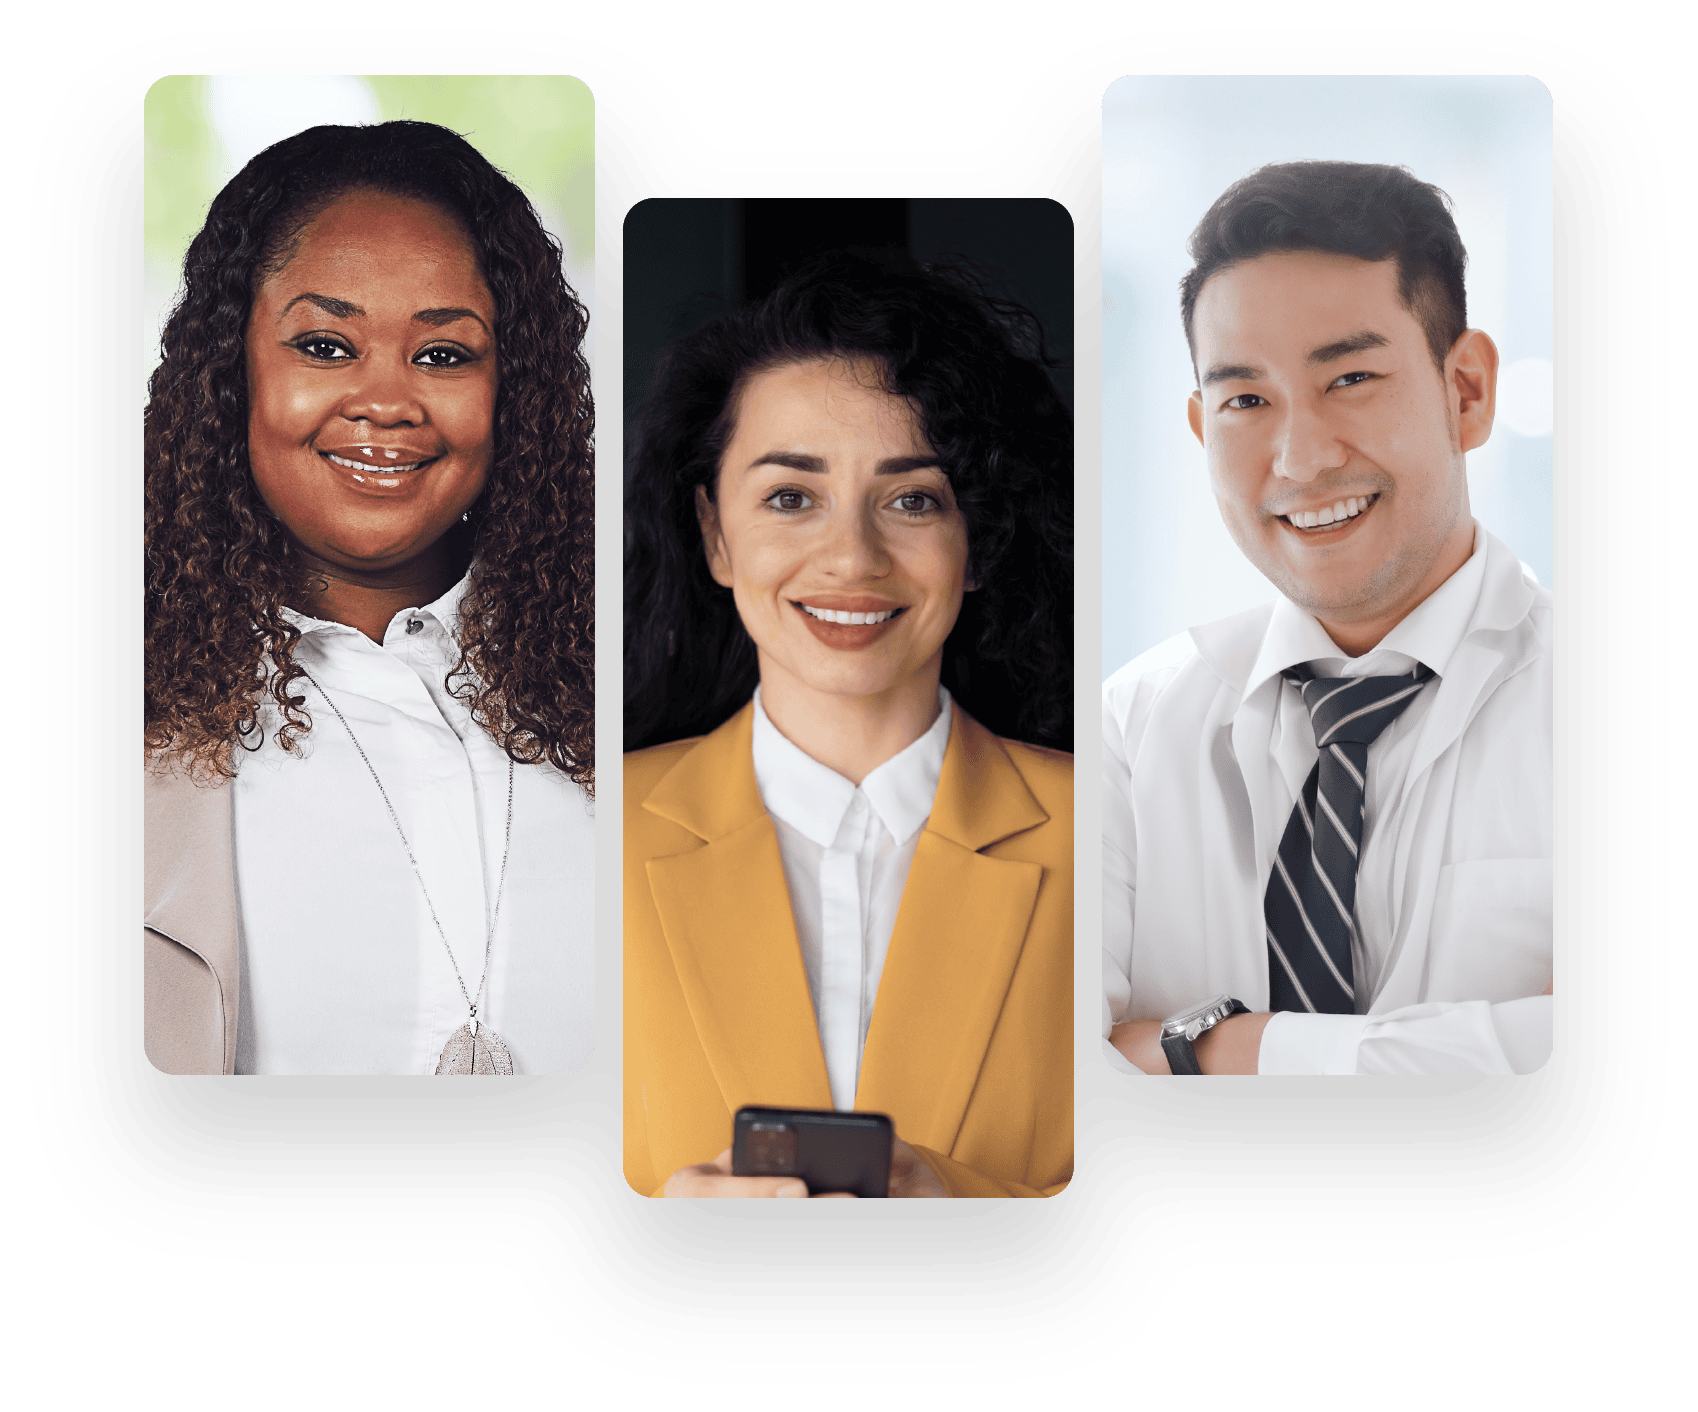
[703, 1181]
[836, 1195]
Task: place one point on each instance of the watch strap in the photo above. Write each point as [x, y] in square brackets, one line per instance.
[1182, 1052]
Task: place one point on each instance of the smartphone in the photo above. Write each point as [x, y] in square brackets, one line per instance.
[830, 1151]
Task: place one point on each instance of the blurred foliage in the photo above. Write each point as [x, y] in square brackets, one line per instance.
[539, 130]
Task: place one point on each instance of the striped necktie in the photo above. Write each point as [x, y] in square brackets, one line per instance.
[1310, 905]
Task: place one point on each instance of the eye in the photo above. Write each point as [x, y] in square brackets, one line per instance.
[916, 502]
[321, 348]
[1353, 379]
[443, 355]
[1245, 401]
[788, 500]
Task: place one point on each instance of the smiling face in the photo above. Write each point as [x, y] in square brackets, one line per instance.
[371, 383]
[837, 533]
[1335, 445]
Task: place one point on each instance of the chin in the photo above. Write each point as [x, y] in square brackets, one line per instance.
[846, 680]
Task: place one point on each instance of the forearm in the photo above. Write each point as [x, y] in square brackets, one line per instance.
[1230, 1047]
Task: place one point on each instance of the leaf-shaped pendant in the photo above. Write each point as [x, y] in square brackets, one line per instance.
[479, 1053]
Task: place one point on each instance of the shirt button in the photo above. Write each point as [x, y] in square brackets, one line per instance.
[414, 626]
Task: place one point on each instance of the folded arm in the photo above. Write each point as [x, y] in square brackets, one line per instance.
[1456, 1037]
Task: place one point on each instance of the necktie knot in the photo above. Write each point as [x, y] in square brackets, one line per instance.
[1354, 710]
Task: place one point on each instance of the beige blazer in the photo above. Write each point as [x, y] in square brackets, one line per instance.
[191, 955]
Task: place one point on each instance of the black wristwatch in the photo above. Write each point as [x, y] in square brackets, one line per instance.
[1179, 1032]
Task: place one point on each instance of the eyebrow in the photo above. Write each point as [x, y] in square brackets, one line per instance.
[436, 318]
[1342, 348]
[1231, 372]
[1359, 342]
[815, 465]
[336, 308]
[342, 309]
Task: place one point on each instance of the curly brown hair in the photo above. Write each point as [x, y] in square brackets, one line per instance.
[221, 568]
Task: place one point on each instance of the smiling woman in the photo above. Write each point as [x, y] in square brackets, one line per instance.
[848, 526]
[369, 624]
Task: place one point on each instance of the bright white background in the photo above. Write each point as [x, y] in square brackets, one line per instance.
[1171, 146]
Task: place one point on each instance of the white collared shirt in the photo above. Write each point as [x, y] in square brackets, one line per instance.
[847, 851]
[343, 971]
[1205, 748]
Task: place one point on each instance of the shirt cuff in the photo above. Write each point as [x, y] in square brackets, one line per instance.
[1118, 1061]
[1297, 1043]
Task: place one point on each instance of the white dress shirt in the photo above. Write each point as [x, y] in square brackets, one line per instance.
[1205, 749]
[343, 971]
[847, 851]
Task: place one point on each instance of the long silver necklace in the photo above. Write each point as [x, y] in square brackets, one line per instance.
[474, 1048]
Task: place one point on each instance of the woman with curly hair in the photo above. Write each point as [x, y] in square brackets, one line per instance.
[849, 540]
[369, 709]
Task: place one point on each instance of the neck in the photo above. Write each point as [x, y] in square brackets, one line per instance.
[852, 735]
[1356, 636]
[367, 599]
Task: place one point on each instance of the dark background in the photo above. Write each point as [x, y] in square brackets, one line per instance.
[687, 261]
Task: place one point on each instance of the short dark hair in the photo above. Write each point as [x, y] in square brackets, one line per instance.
[1365, 209]
[220, 567]
[975, 366]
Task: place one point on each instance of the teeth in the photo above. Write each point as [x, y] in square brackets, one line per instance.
[361, 466]
[1330, 514]
[832, 615]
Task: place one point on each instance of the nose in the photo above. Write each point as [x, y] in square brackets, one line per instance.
[1307, 444]
[853, 549]
[385, 395]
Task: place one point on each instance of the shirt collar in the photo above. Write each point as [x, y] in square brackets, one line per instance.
[445, 610]
[1430, 634]
[813, 798]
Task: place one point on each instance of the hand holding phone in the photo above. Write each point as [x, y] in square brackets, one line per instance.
[907, 1173]
[830, 1151]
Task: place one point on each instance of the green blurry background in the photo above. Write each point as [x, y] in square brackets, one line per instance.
[201, 130]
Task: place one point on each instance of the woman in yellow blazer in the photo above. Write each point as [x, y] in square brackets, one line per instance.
[877, 470]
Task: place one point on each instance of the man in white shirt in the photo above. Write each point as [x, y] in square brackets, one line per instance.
[1382, 905]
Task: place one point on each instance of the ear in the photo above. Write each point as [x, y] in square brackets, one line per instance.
[1471, 382]
[713, 539]
[1194, 415]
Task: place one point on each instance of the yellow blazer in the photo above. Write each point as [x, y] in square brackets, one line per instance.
[970, 1047]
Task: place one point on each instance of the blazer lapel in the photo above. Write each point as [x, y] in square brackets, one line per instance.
[190, 887]
[725, 912]
[958, 937]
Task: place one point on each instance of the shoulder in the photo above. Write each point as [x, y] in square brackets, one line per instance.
[646, 832]
[178, 794]
[1186, 673]
[1152, 671]
[1047, 773]
[644, 769]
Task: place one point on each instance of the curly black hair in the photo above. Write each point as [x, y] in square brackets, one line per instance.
[220, 567]
[975, 367]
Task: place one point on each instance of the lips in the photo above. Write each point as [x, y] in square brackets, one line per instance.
[376, 469]
[848, 623]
